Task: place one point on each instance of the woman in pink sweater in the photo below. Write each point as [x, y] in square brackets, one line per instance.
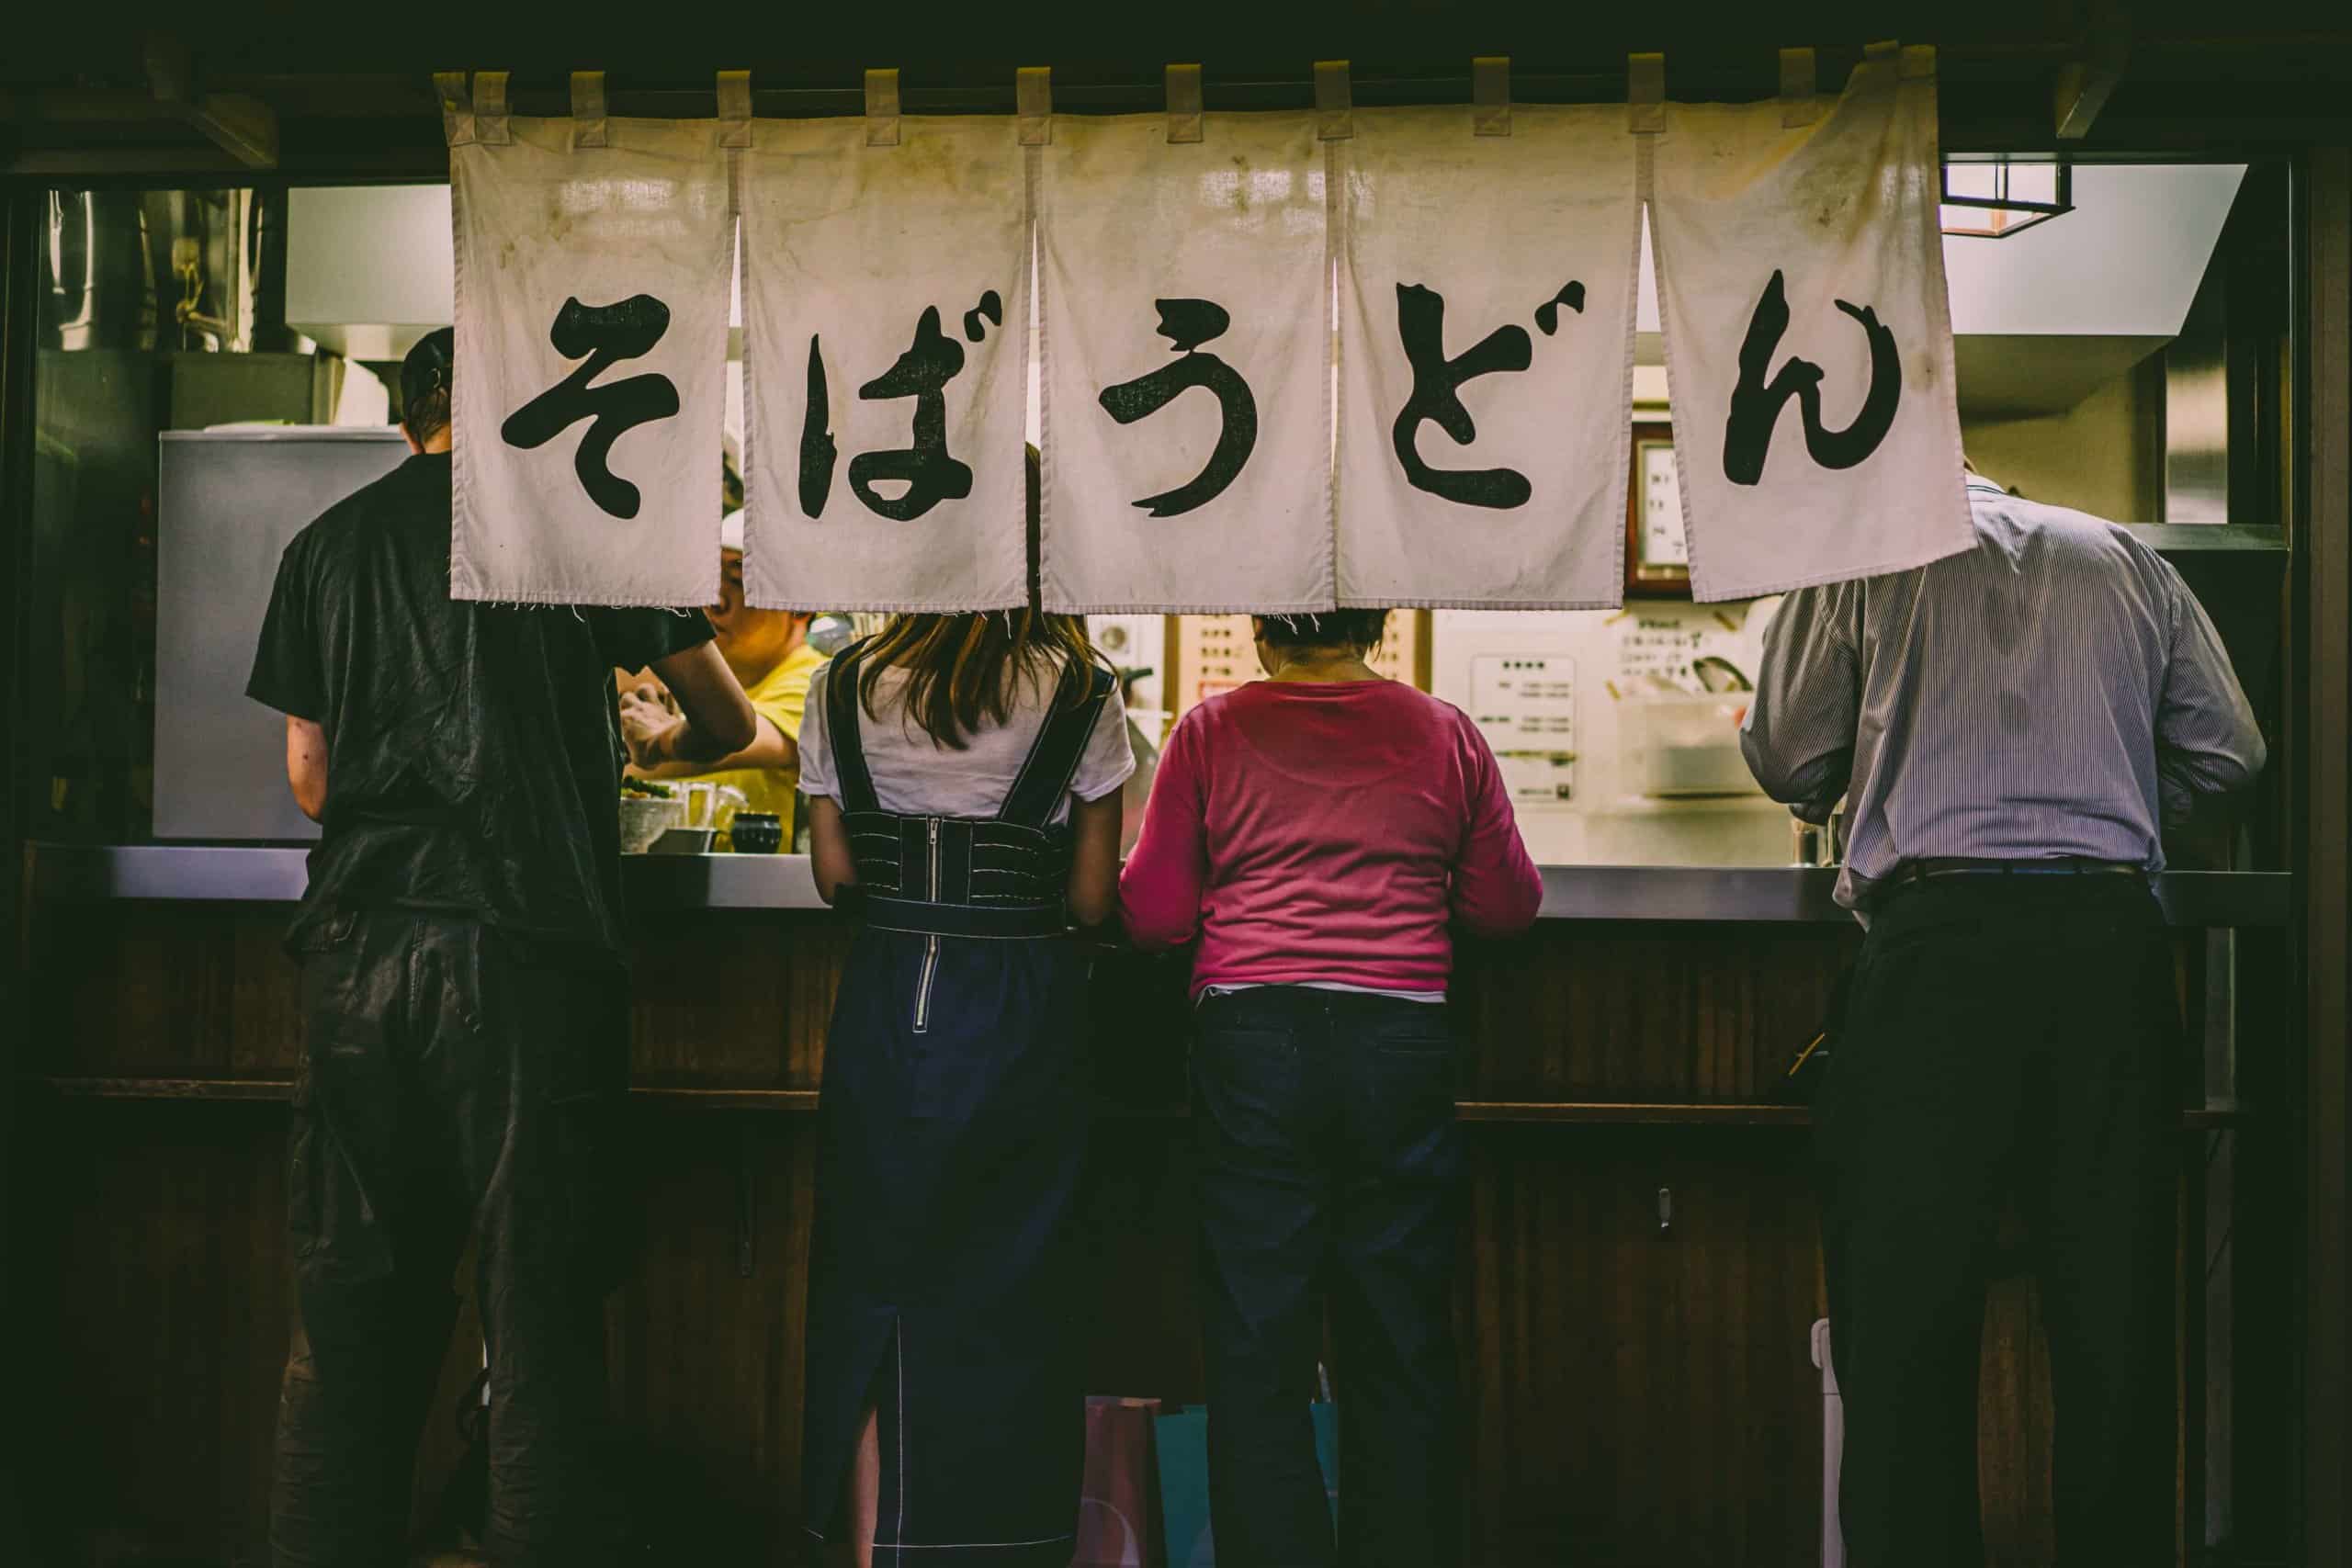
[1317, 834]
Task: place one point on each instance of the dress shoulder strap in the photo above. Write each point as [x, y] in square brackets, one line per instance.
[1053, 761]
[843, 716]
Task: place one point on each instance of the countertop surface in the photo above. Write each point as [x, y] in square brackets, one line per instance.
[663, 883]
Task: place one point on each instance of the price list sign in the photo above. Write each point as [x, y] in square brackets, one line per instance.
[1525, 705]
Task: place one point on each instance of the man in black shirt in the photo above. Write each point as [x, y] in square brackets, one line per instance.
[465, 1006]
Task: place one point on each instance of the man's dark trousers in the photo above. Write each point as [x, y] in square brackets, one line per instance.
[2009, 1039]
[1329, 1163]
[453, 1082]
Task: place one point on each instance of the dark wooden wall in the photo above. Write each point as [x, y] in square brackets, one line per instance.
[1639, 1395]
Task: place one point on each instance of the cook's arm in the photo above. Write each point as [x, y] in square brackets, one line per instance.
[714, 720]
[770, 747]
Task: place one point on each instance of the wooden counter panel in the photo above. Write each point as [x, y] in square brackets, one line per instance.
[738, 999]
[1632, 1395]
[1572, 1013]
[706, 1334]
[1646, 1012]
[161, 990]
[1693, 1340]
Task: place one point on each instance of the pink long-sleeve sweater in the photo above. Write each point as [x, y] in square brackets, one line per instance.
[1329, 833]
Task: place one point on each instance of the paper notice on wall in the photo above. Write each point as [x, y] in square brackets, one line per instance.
[1214, 653]
[1655, 651]
[1398, 656]
[1664, 650]
[1525, 706]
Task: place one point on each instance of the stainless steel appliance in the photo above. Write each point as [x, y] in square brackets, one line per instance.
[228, 501]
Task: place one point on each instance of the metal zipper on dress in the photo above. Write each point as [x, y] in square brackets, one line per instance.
[931, 944]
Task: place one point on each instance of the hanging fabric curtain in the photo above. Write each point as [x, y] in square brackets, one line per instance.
[592, 289]
[1186, 376]
[886, 317]
[1486, 291]
[1808, 338]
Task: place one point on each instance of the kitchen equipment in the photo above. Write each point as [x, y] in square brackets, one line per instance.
[645, 818]
[757, 833]
[1686, 743]
[726, 800]
[682, 842]
[228, 501]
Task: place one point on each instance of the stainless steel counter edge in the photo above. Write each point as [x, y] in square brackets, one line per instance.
[250, 875]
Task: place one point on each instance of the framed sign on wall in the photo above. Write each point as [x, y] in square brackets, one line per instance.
[1658, 554]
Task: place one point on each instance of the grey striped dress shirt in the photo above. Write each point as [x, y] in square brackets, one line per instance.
[2055, 691]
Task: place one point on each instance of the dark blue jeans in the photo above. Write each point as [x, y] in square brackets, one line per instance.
[1330, 1168]
[450, 1084]
[2007, 1041]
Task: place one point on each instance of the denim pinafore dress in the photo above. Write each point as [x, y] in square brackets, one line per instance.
[954, 1124]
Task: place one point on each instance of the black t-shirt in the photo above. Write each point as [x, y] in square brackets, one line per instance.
[473, 751]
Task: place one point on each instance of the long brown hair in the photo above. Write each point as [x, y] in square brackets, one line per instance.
[963, 668]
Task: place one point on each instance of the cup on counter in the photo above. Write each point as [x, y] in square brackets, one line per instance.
[645, 818]
[757, 832]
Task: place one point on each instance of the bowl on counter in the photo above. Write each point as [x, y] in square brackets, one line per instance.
[645, 818]
[757, 833]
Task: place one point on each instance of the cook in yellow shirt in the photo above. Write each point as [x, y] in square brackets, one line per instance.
[769, 651]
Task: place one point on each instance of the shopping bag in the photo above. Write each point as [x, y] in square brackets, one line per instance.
[1184, 1438]
[1118, 1516]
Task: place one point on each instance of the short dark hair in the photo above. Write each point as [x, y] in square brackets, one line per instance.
[427, 372]
[427, 417]
[1361, 629]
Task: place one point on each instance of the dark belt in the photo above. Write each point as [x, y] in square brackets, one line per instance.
[923, 918]
[1912, 872]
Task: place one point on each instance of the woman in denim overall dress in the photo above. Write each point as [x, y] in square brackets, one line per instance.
[964, 772]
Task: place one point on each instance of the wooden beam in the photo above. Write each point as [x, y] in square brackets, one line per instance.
[245, 127]
[2083, 84]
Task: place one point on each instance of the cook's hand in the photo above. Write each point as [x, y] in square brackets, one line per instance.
[656, 692]
[646, 727]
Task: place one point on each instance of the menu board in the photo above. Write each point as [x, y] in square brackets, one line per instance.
[1400, 655]
[1657, 648]
[1663, 543]
[1525, 705]
[1216, 653]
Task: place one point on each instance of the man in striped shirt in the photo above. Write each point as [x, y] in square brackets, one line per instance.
[2013, 728]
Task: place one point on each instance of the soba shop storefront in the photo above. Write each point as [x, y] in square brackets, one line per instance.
[1488, 344]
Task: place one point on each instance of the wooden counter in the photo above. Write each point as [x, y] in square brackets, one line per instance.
[1639, 1393]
